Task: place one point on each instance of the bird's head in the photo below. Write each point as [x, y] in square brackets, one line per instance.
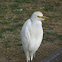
[38, 16]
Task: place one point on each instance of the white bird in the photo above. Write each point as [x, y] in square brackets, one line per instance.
[32, 34]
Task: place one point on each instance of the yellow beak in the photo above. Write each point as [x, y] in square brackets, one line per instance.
[43, 17]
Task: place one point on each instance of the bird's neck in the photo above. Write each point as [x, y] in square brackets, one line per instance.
[36, 22]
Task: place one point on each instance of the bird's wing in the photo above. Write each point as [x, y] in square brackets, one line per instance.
[25, 35]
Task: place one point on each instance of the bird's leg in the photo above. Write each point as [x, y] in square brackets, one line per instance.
[34, 58]
[30, 58]
[34, 55]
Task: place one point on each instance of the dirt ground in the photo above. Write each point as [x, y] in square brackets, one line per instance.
[12, 16]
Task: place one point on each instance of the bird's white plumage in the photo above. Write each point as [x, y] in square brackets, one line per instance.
[32, 35]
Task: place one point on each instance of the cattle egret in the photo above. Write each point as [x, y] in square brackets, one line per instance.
[32, 34]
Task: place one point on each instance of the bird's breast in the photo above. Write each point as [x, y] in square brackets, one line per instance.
[37, 32]
[36, 38]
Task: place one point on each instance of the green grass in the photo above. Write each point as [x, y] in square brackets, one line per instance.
[49, 6]
[2, 30]
[11, 29]
[21, 51]
[17, 39]
[7, 45]
[1, 36]
[59, 37]
[26, 1]
[50, 36]
[17, 25]
[7, 29]
[50, 39]
[9, 41]
[4, 21]
[3, 9]
[18, 44]
[1, 17]
[15, 6]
